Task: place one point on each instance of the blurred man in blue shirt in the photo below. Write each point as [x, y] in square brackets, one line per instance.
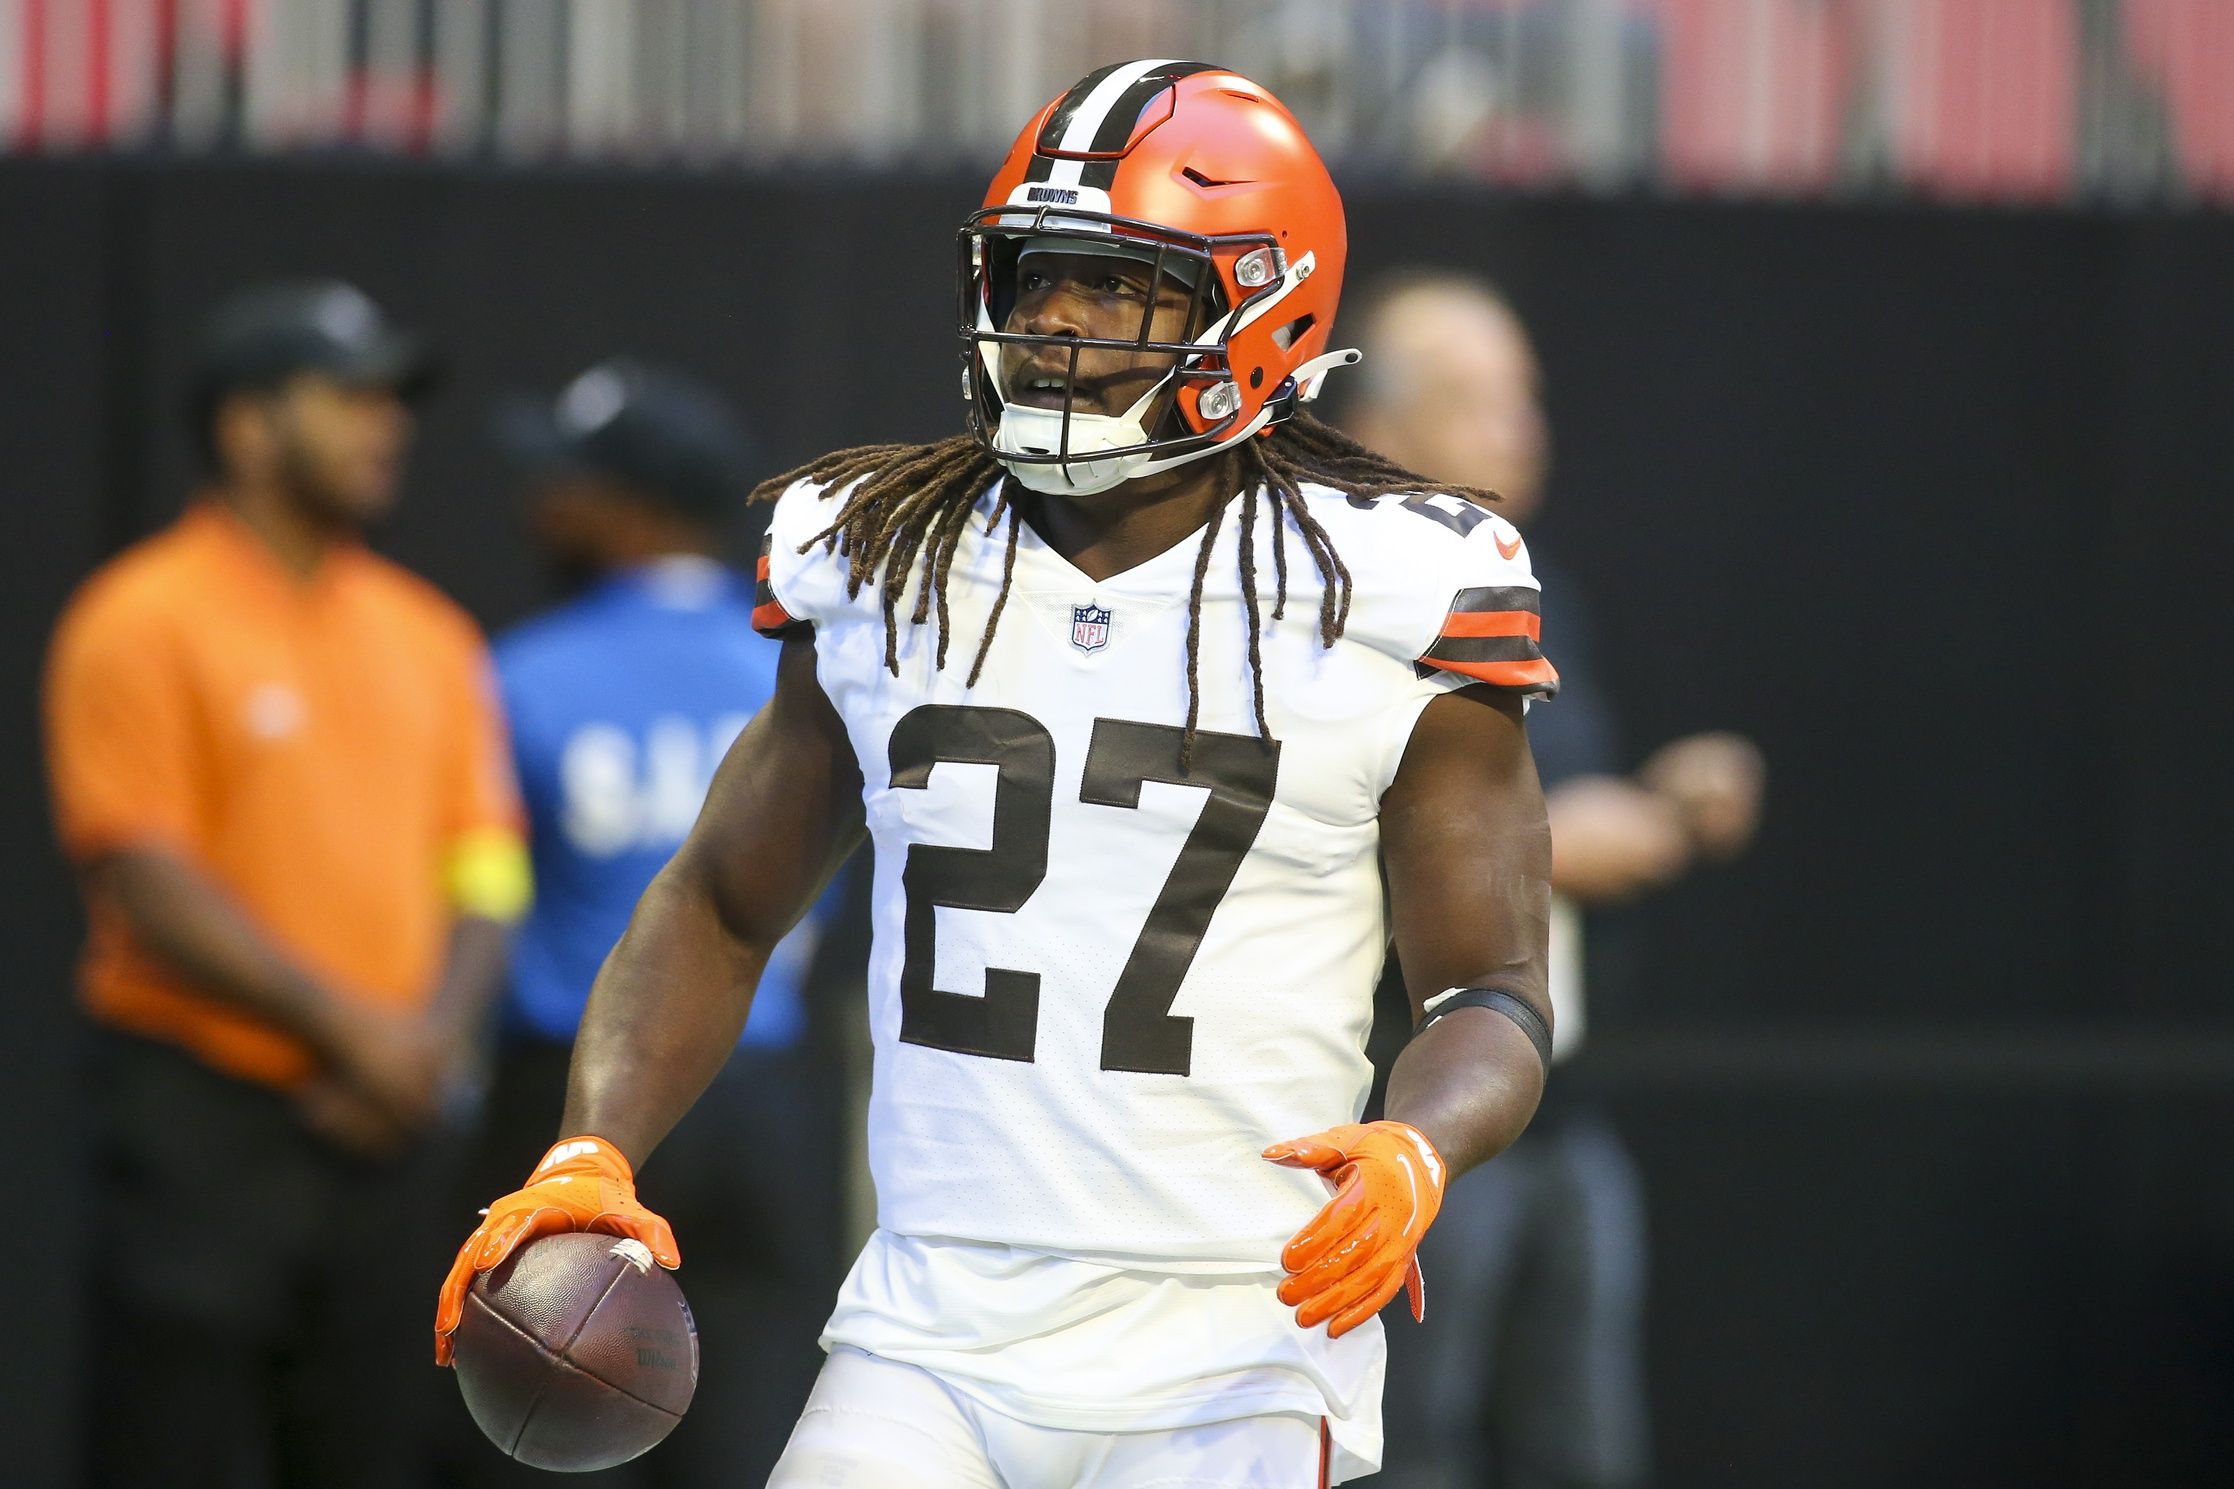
[622, 702]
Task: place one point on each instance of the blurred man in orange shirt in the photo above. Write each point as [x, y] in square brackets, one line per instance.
[279, 769]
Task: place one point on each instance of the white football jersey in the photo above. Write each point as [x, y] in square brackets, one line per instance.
[1102, 984]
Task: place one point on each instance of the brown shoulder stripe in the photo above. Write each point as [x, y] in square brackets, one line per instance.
[1493, 634]
[1497, 597]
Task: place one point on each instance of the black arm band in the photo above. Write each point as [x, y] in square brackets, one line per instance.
[1531, 1022]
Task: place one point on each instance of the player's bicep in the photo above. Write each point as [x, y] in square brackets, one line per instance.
[1467, 851]
[783, 812]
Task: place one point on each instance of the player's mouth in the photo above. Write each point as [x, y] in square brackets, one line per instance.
[1047, 390]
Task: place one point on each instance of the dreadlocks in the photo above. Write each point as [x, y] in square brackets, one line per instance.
[914, 502]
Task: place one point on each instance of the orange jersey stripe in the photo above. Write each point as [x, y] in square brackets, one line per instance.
[1532, 674]
[771, 617]
[760, 571]
[1494, 623]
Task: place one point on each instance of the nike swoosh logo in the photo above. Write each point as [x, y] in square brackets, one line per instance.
[563, 1152]
[1510, 550]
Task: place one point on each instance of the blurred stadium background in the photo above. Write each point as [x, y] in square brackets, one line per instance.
[1890, 349]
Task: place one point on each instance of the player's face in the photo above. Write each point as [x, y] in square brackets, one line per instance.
[339, 449]
[1091, 295]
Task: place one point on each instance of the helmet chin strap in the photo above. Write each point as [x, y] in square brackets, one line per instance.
[1039, 431]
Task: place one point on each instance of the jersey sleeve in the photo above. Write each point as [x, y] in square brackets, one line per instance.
[483, 791]
[123, 748]
[1445, 587]
[1442, 590]
[794, 590]
[1489, 629]
[770, 616]
[484, 841]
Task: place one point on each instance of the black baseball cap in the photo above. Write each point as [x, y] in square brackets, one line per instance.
[660, 432]
[264, 336]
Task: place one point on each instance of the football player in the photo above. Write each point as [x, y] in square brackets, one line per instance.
[1145, 817]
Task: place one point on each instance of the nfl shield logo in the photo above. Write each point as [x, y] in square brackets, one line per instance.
[1089, 627]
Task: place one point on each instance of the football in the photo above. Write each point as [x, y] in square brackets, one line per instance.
[577, 1352]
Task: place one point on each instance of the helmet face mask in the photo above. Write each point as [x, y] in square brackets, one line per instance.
[1213, 186]
[1187, 406]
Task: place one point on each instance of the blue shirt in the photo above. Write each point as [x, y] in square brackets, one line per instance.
[622, 703]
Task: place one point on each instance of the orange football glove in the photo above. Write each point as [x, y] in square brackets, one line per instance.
[1353, 1256]
[583, 1183]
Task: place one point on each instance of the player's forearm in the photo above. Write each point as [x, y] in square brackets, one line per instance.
[190, 924]
[1468, 859]
[782, 814]
[664, 1014]
[1470, 1081]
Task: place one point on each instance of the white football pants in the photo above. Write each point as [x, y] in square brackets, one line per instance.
[872, 1423]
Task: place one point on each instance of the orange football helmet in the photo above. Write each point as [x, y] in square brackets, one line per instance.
[1205, 175]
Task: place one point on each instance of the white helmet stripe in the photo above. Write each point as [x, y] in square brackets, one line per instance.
[1087, 122]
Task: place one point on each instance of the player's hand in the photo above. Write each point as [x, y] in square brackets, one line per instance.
[1353, 1256]
[583, 1183]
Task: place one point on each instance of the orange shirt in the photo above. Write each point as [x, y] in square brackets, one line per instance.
[314, 746]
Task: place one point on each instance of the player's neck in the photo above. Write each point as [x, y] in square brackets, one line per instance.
[1104, 535]
[295, 535]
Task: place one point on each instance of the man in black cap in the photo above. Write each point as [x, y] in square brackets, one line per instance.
[279, 770]
[623, 701]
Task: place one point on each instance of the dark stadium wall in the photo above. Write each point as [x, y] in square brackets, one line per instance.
[54, 365]
[1930, 1093]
